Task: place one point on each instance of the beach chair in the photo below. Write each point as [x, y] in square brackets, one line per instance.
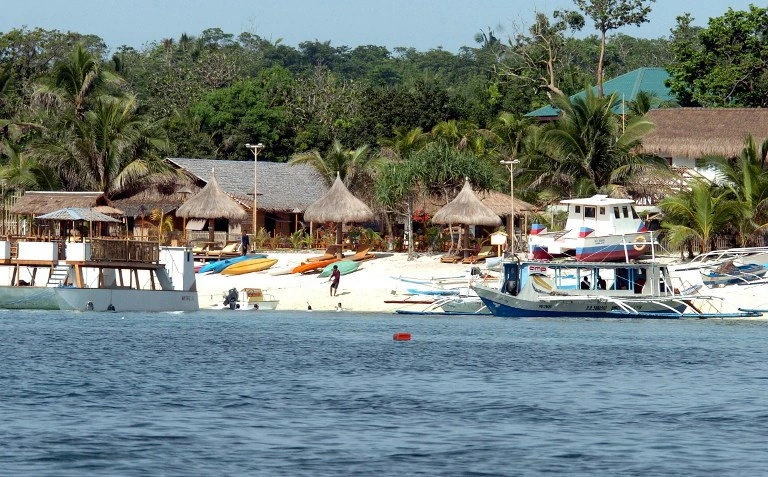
[332, 251]
[360, 255]
[451, 258]
[484, 252]
[228, 251]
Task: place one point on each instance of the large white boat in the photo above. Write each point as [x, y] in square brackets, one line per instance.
[739, 275]
[35, 278]
[597, 229]
[596, 290]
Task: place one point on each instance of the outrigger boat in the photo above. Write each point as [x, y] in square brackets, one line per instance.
[596, 290]
[598, 229]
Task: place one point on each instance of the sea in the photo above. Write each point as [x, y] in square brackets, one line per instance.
[332, 394]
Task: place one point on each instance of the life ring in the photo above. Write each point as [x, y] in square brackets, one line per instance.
[639, 243]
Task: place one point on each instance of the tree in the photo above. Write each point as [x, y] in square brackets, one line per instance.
[747, 182]
[699, 213]
[609, 15]
[355, 167]
[725, 65]
[588, 146]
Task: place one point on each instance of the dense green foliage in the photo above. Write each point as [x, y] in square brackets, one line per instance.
[394, 124]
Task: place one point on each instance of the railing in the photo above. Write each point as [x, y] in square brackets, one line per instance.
[103, 249]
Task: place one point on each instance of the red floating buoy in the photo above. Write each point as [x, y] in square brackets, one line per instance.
[401, 337]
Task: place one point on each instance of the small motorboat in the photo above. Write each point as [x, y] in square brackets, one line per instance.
[246, 299]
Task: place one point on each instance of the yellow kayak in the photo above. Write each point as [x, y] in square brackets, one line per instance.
[248, 266]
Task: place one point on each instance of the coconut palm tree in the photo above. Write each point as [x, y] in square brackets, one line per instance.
[699, 213]
[111, 149]
[355, 167]
[588, 141]
[747, 182]
[22, 172]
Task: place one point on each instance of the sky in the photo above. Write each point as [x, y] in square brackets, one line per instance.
[420, 24]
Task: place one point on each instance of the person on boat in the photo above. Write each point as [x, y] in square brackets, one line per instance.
[335, 277]
[600, 283]
[585, 285]
[245, 242]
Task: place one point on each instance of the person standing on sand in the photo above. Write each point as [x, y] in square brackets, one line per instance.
[245, 242]
[335, 277]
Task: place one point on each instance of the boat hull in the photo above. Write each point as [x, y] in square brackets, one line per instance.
[505, 305]
[612, 248]
[28, 298]
[120, 300]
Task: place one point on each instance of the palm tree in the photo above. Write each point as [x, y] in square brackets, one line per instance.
[747, 182]
[699, 213]
[23, 172]
[111, 149]
[355, 167]
[589, 142]
[74, 83]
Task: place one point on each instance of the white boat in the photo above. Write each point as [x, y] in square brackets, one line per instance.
[246, 299]
[738, 275]
[598, 229]
[595, 290]
[35, 278]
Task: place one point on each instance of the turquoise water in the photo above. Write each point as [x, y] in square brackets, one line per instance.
[289, 393]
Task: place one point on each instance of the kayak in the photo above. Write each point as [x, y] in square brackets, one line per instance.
[310, 266]
[219, 265]
[248, 266]
[345, 266]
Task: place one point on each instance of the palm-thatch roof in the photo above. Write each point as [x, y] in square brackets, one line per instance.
[501, 203]
[697, 132]
[281, 187]
[211, 203]
[77, 214]
[466, 208]
[43, 202]
[338, 205]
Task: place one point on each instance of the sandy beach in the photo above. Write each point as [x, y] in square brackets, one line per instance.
[364, 290]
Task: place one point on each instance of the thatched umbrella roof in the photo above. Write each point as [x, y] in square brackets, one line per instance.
[211, 203]
[466, 208]
[338, 205]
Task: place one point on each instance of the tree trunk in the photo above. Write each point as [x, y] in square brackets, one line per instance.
[409, 225]
[600, 65]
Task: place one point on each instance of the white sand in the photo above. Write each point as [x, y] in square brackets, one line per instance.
[363, 290]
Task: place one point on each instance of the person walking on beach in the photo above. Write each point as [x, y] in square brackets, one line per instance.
[245, 243]
[335, 277]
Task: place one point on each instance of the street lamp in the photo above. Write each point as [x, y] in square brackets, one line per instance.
[511, 165]
[255, 148]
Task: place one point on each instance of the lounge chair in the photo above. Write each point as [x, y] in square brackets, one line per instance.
[484, 252]
[360, 255]
[332, 251]
[228, 251]
[451, 258]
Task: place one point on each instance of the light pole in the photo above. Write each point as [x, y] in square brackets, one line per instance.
[255, 148]
[511, 165]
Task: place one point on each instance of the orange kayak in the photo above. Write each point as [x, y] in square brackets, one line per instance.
[309, 266]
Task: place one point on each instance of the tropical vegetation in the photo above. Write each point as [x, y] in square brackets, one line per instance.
[394, 125]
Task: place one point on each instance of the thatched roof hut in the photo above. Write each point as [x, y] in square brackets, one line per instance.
[211, 203]
[338, 205]
[697, 132]
[501, 203]
[42, 202]
[466, 208]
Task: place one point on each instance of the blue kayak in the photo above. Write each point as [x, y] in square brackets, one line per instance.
[219, 265]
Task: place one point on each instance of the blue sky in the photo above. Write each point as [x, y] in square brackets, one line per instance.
[420, 24]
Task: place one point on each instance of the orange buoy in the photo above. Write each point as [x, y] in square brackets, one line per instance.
[401, 337]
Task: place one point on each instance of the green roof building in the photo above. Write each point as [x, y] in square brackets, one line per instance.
[650, 80]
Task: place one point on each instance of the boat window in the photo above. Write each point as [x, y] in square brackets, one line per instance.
[634, 213]
[616, 213]
[589, 212]
[626, 212]
[602, 210]
[577, 209]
